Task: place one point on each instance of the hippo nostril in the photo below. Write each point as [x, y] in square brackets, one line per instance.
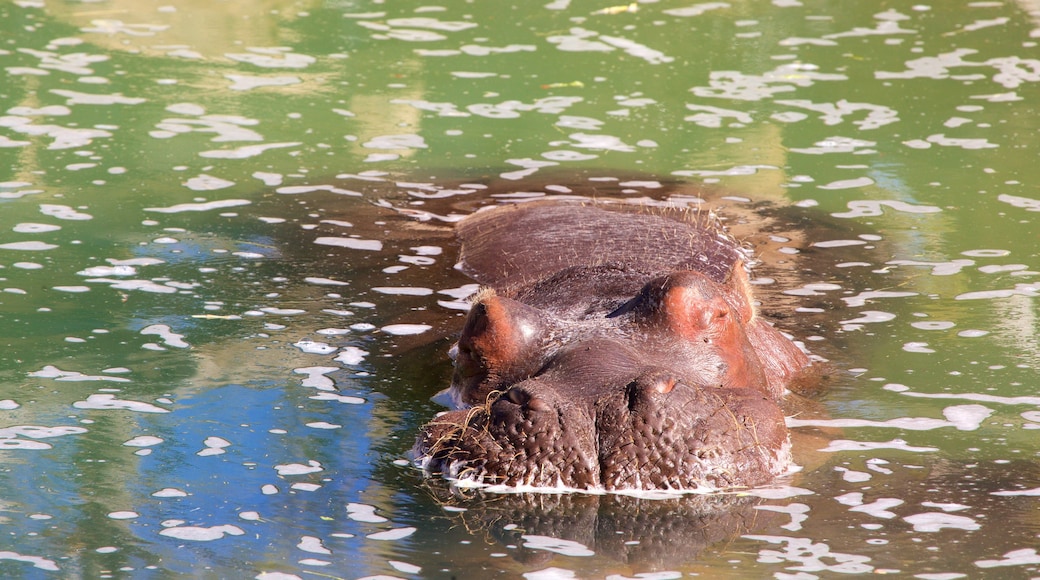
[539, 405]
[517, 397]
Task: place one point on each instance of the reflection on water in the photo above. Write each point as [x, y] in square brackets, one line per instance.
[226, 284]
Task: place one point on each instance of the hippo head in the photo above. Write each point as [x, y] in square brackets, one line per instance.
[600, 415]
[705, 328]
[662, 390]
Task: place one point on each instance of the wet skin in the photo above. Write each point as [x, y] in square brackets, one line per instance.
[612, 350]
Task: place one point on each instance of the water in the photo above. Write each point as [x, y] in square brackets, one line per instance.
[227, 293]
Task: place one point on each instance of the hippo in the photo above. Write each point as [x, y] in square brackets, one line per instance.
[611, 348]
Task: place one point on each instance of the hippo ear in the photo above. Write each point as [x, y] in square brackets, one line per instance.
[503, 341]
[709, 317]
[687, 303]
[739, 294]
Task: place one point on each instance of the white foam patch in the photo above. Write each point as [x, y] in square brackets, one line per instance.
[34, 228]
[962, 417]
[879, 507]
[898, 444]
[838, 243]
[870, 317]
[299, 468]
[351, 355]
[202, 534]
[169, 492]
[283, 311]
[1022, 557]
[351, 243]
[696, 9]
[272, 57]
[862, 298]
[394, 534]
[851, 499]
[986, 253]
[36, 561]
[938, 268]
[1035, 492]
[404, 567]
[405, 141]
[313, 347]
[107, 402]
[8, 405]
[346, 399]
[810, 555]
[28, 246]
[873, 208]
[38, 432]
[1029, 290]
[202, 206]
[313, 545]
[249, 82]
[847, 184]
[53, 372]
[556, 545]
[78, 98]
[777, 492]
[360, 512]
[324, 425]
[246, 151]
[135, 262]
[982, 398]
[64, 212]
[203, 182]
[143, 441]
[934, 522]
[325, 281]
[403, 291]
[918, 347]
[946, 507]
[97, 271]
[405, 329]
[214, 446]
[933, 325]
[169, 337]
[799, 512]
[123, 515]
[316, 377]
[297, 189]
[269, 179]
[9, 444]
[853, 476]
[141, 285]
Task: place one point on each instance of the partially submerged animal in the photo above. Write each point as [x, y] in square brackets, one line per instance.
[611, 349]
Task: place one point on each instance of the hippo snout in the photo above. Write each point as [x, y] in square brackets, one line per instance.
[652, 431]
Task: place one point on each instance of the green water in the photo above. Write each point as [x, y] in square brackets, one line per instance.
[201, 376]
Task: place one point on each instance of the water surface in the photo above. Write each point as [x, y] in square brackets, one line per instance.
[226, 284]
